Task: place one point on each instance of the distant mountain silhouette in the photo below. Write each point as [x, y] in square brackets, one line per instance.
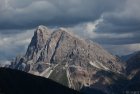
[18, 82]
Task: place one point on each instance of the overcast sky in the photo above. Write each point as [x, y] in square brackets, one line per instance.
[115, 24]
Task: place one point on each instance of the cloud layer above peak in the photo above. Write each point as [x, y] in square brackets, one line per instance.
[115, 19]
[15, 14]
[113, 23]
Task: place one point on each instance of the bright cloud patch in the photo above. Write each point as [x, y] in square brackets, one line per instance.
[14, 44]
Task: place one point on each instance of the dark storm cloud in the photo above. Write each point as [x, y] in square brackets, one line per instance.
[123, 21]
[118, 41]
[15, 14]
[122, 25]
[109, 22]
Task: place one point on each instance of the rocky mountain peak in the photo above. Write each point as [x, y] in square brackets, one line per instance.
[40, 36]
[42, 27]
[38, 41]
[68, 59]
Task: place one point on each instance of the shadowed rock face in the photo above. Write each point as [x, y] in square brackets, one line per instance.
[133, 65]
[69, 60]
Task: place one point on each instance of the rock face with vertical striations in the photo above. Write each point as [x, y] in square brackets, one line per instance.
[70, 60]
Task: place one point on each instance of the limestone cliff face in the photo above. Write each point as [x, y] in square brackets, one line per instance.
[69, 60]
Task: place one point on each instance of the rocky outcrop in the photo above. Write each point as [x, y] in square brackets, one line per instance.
[70, 60]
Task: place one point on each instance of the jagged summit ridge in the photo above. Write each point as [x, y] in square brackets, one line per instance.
[38, 41]
[44, 40]
[67, 59]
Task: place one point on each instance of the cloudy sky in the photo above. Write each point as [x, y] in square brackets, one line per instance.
[115, 24]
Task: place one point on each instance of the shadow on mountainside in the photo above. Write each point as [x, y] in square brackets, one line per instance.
[18, 82]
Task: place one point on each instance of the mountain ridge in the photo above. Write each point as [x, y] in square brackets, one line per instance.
[69, 60]
[24, 83]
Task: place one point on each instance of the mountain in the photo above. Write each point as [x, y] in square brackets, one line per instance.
[133, 64]
[18, 82]
[126, 57]
[132, 84]
[70, 60]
